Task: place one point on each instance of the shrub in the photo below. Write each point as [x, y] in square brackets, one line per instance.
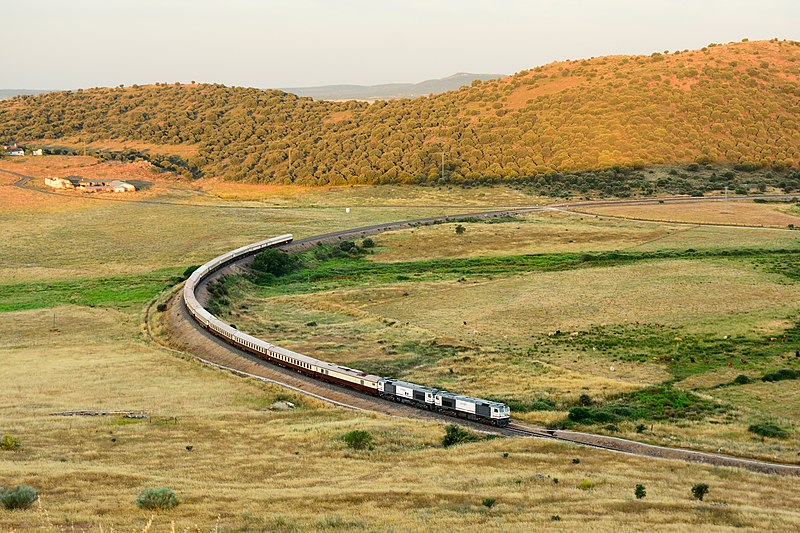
[161, 307]
[20, 497]
[639, 491]
[741, 379]
[9, 442]
[555, 518]
[699, 491]
[460, 229]
[189, 271]
[154, 499]
[346, 246]
[585, 400]
[780, 375]
[368, 243]
[455, 434]
[768, 429]
[358, 439]
[489, 502]
[274, 262]
[586, 485]
[576, 461]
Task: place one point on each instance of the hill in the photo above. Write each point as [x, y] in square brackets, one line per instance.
[389, 91]
[734, 103]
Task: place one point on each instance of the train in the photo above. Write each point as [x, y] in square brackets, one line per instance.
[442, 401]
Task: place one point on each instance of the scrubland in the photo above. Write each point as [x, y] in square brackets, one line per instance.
[77, 276]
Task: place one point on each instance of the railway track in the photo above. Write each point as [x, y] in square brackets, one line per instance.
[242, 363]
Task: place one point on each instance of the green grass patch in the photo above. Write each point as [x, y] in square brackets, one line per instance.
[662, 402]
[683, 354]
[768, 429]
[407, 356]
[117, 291]
[325, 268]
[527, 406]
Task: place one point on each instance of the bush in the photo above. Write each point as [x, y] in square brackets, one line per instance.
[586, 485]
[189, 271]
[155, 499]
[455, 434]
[780, 375]
[639, 491]
[460, 229]
[358, 439]
[274, 262]
[768, 429]
[699, 491]
[741, 379]
[368, 243]
[585, 400]
[20, 497]
[9, 442]
[489, 502]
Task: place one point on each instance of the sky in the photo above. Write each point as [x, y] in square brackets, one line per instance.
[53, 44]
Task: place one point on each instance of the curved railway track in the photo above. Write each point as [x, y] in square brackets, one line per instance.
[187, 338]
[186, 334]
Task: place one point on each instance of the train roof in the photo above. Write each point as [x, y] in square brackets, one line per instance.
[323, 364]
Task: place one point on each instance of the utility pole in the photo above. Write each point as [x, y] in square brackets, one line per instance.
[725, 201]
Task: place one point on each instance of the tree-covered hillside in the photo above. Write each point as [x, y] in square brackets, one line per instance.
[737, 103]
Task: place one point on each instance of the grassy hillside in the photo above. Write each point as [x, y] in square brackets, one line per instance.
[735, 103]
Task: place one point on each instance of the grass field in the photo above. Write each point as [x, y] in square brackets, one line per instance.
[78, 273]
[251, 469]
[696, 313]
[737, 213]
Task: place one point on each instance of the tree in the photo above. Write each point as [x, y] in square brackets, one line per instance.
[699, 491]
[274, 262]
[639, 491]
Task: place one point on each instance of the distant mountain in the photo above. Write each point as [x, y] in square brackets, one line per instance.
[10, 93]
[388, 91]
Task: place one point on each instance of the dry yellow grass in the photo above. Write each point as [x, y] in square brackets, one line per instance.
[263, 470]
[389, 196]
[560, 232]
[547, 232]
[288, 471]
[675, 292]
[738, 213]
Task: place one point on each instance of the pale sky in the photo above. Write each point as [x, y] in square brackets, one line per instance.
[57, 44]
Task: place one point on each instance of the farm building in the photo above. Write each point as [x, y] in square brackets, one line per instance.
[13, 149]
[89, 185]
